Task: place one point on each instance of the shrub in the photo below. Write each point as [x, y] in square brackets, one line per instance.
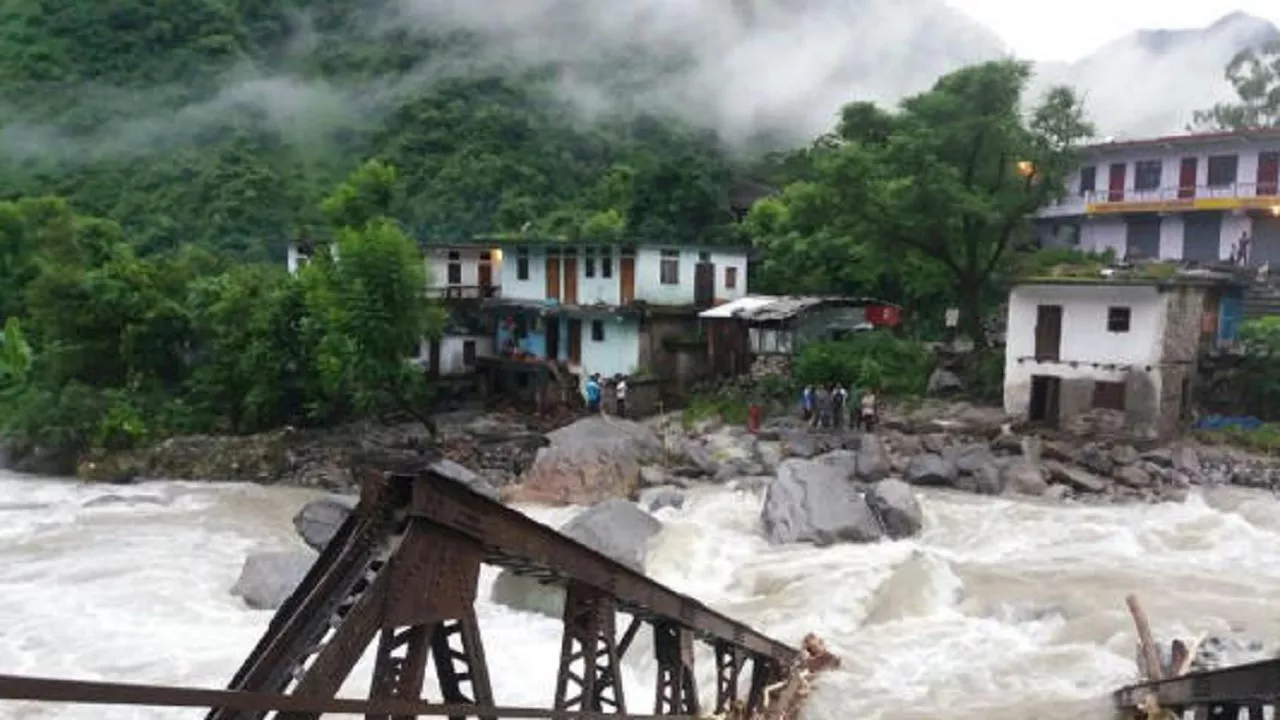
[873, 359]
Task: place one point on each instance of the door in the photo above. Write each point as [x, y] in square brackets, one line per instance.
[570, 280]
[1202, 237]
[1115, 184]
[1046, 390]
[574, 332]
[627, 279]
[1048, 332]
[1264, 245]
[704, 285]
[433, 358]
[1187, 177]
[484, 278]
[1142, 236]
[1268, 173]
[553, 338]
[553, 277]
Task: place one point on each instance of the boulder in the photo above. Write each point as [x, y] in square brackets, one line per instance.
[592, 460]
[771, 454]
[799, 443]
[843, 462]
[1075, 478]
[896, 506]
[873, 459]
[986, 479]
[813, 502]
[1094, 459]
[930, 469]
[657, 498]
[699, 456]
[1134, 477]
[318, 521]
[1125, 455]
[616, 528]
[944, 382]
[268, 578]
[1024, 478]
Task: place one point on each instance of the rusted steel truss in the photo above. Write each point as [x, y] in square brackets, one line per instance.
[401, 574]
[1243, 691]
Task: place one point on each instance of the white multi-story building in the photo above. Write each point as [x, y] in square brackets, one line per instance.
[1189, 197]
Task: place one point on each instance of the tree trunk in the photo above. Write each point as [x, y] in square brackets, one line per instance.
[969, 293]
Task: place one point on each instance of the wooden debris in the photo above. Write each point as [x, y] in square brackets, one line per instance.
[1181, 657]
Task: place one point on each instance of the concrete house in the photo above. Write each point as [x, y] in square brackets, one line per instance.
[1185, 197]
[579, 307]
[1119, 351]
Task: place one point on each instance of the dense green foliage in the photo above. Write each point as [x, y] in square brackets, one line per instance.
[224, 122]
[1255, 75]
[105, 349]
[867, 360]
[930, 203]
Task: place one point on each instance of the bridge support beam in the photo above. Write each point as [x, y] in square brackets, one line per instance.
[764, 672]
[728, 669]
[590, 675]
[677, 690]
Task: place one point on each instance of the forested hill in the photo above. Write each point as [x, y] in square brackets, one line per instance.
[223, 122]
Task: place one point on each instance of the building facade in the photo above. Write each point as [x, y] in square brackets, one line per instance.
[609, 308]
[1125, 347]
[1196, 198]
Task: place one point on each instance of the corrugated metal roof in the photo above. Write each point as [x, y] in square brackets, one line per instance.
[741, 305]
[767, 308]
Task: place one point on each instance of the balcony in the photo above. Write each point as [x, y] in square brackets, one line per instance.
[1238, 196]
[465, 292]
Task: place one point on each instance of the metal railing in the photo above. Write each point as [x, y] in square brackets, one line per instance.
[1239, 190]
[464, 292]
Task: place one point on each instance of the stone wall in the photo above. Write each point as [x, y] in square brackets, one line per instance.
[1180, 353]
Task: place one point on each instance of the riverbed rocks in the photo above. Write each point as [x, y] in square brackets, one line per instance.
[591, 460]
[822, 501]
[268, 578]
[318, 521]
[615, 527]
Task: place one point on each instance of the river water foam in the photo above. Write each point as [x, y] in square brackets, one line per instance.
[1001, 609]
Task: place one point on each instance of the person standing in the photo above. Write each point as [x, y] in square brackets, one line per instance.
[620, 394]
[839, 399]
[868, 409]
[593, 394]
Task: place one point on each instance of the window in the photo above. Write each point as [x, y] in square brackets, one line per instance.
[1108, 396]
[704, 257]
[669, 271]
[1222, 170]
[1088, 179]
[455, 268]
[469, 352]
[522, 264]
[730, 278]
[1146, 175]
[589, 263]
[597, 331]
[606, 264]
[1118, 319]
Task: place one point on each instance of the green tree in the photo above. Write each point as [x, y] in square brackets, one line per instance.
[942, 187]
[1255, 75]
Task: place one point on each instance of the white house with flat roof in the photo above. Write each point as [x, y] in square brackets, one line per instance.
[1196, 197]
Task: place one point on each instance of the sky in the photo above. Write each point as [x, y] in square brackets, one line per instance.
[1040, 30]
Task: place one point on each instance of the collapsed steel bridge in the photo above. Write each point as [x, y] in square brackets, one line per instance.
[403, 570]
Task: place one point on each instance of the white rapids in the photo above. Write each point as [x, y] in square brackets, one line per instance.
[1000, 610]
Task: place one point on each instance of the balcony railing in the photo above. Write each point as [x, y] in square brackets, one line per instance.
[465, 292]
[1174, 196]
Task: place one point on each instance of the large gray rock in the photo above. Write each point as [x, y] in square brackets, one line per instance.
[318, 521]
[594, 459]
[616, 528]
[930, 469]
[897, 507]
[268, 578]
[1024, 478]
[873, 459]
[815, 502]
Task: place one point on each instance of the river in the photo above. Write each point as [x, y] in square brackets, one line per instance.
[1000, 610]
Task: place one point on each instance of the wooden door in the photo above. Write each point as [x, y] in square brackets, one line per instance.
[553, 338]
[1115, 183]
[553, 278]
[1268, 173]
[484, 278]
[1187, 177]
[704, 285]
[1048, 332]
[433, 358]
[627, 279]
[571, 281]
[575, 340]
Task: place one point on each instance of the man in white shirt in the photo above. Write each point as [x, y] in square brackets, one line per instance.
[620, 392]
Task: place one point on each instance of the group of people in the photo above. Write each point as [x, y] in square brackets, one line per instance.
[825, 407]
[595, 393]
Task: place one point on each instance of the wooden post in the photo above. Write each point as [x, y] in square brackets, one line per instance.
[1149, 651]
